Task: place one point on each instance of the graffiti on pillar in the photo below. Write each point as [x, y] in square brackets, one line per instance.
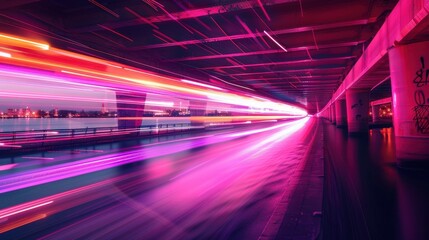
[422, 75]
[421, 109]
[359, 104]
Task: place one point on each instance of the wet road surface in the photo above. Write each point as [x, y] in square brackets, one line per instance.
[366, 195]
[222, 184]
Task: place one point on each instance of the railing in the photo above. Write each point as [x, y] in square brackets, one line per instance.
[18, 139]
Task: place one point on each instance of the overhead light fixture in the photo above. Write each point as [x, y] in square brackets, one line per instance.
[232, 83]
[201, 84]
[278, 44]
[104, 8]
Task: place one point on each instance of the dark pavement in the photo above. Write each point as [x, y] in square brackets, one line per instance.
[366, 195]
[225, 184]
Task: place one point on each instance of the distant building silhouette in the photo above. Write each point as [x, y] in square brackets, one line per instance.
[104, 109]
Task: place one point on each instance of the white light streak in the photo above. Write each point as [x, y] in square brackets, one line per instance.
[201, 84]
[162, 104]
[278, 44]
[4, 54]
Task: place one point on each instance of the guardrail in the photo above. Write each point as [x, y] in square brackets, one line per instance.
[34, 138]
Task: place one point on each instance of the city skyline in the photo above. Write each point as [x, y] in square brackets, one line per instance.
[20, 92]
[27, 112]
[100, 109]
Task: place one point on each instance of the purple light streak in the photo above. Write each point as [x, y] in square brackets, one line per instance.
[62, 171]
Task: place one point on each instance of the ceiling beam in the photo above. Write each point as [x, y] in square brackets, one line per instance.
[272, 51]
[187, 14]
[328, 84]
[304, 70]
[293, 77]
[316, 89]
[281, 63]
[324, 84]
[259, 34]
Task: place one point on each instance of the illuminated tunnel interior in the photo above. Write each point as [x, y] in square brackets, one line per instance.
[156, 119]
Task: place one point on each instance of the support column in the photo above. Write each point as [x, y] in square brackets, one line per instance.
[333, 114]
[130, 107]
[197, 108]
[409, 71]
[375, 109]
[340, 113]
[328, 113]
[357, 106]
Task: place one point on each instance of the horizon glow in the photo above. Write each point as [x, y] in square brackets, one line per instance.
[72, 72]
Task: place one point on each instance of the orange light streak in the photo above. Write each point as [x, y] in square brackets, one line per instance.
[71, 63]
[85, 58]
[21, 223]
[154, 84]
[103, 76]
[19, 42]
[216, 118]
[11, 212]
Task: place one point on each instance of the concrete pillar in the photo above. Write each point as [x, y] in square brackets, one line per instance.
[357, 106]
[329, 113]
[130, 107]
[197, 108]
[409, 71]
[375, 110]
[340, 113]
[333, 113]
